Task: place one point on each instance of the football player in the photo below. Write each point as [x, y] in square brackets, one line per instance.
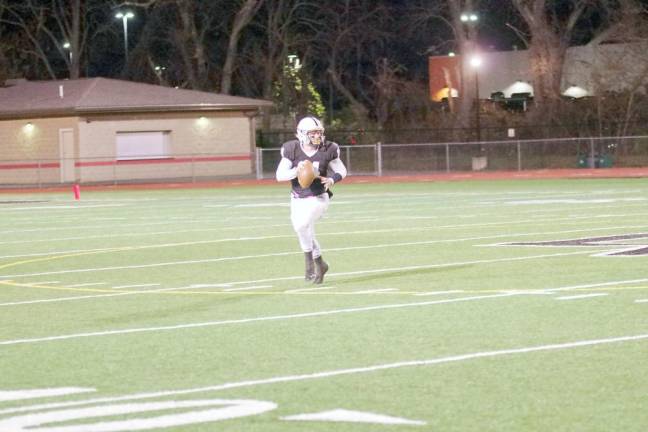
[308, 204]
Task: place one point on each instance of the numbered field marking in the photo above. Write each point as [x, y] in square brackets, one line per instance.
[225, 409]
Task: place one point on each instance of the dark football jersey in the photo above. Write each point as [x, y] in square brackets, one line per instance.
[325, 153]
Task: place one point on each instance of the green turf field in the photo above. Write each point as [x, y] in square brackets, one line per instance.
[186, 310]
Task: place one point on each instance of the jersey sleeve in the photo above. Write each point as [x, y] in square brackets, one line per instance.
[285, 170]
[336, 168]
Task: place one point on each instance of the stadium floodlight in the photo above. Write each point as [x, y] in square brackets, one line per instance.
[125, 16]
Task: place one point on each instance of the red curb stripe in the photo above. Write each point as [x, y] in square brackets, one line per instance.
[163, 161]
[30, 165]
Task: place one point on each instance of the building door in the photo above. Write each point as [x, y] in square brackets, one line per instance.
[66, 147]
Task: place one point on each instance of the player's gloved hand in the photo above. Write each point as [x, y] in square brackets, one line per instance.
[327, 182]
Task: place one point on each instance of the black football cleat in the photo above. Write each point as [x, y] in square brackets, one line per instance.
[320, 270]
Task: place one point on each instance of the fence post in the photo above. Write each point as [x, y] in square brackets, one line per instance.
[447, 148]
[519, 156]
[379, 158]
[592, 158]
[259, 163]
[348, 159]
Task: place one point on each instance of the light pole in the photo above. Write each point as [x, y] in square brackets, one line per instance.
[125, 16]
[470, 18]
[475, 62]
[67, 46]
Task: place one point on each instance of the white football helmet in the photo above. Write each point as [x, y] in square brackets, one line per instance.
[307, 131]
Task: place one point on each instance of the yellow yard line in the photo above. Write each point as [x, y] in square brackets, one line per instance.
[57, 288]
[55, 257]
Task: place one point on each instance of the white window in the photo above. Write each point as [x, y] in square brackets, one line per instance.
[143, 145]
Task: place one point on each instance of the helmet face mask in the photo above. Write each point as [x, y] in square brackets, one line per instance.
[310, 131]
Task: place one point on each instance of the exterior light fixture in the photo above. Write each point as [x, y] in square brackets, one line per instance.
[469, 17]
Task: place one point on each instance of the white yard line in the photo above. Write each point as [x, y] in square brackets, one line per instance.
[341, 233]
[248, 320]
[374, 291]
[86, 284]
[136, 286]
[581, 296]
[242, 257]
[356, 273]
[641, 301]
[140, 233]
[598, 285]
[339, 372]
[433, 293]
[249, 288]
[303, 290]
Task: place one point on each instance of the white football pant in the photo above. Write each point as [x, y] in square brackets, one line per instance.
[304, 212]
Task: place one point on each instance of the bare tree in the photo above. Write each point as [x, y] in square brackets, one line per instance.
[241, 20]
[56, 27]
[265, 57]
[349, 36]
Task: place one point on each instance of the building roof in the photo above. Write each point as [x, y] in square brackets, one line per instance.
[23, 99]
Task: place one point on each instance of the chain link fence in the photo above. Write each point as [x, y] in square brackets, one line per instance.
[509, 155]
[378, 158]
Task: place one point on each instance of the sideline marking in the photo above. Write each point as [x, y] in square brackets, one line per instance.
[339, 372]
[582, 296]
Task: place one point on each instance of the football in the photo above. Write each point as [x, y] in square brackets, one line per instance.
[305, 174]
